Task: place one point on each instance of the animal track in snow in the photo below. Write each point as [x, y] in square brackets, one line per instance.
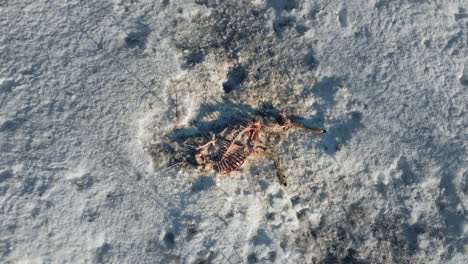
[6, 85]
[169, 240]
[343, 17]
[464, 77]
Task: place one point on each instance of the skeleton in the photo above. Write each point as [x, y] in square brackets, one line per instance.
[229, 149]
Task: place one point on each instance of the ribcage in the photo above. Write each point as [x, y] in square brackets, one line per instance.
[231, 160]
[231, 151]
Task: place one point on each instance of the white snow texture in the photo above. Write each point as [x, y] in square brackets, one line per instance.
[95, 94]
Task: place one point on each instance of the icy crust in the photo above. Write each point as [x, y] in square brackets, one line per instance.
[87, 88]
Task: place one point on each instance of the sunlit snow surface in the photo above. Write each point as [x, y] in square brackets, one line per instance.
[88, 89]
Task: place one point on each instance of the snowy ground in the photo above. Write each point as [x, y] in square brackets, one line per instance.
[89, 89]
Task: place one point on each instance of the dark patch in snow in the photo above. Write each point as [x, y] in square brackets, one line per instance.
[252, 258]
[301, 30]
[169, 240]
[235, 77]
[6, 85]
[343, 17]
[261, 238]
[272, 256]
[427, 43]
[464, 78]
[310, 61]
[281, 24]
[208, 3]
[5, 175]
[193, 58]
[12, 125]
[263, 185]
[280, 5]
[295, 200]
[103, 253]
[202, 183]
[270, 216]
[302, 213]
[136, 38]
[229, 214]
[382, 189]
[165, 3]
[381, 3]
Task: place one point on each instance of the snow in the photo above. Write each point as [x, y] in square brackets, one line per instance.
[89, 90]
